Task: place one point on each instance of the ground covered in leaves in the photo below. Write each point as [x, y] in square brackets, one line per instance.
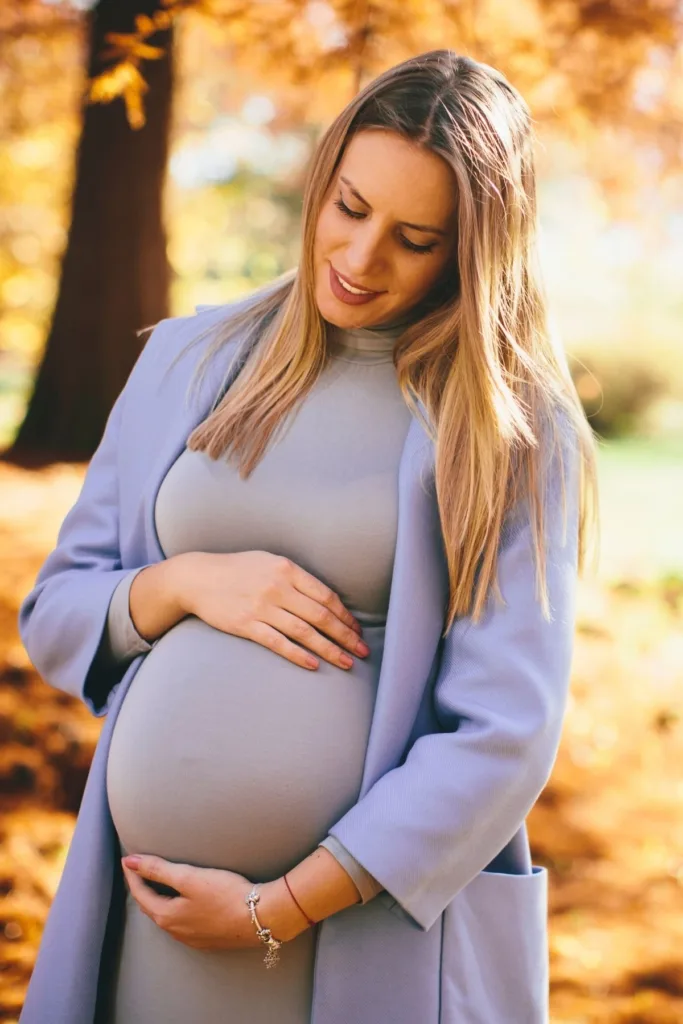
[608, 825]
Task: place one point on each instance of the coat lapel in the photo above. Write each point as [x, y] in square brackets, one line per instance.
[417, 608]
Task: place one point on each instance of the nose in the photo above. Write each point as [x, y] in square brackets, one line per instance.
[364, 254]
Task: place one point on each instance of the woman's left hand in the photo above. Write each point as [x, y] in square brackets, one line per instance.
[210, 912]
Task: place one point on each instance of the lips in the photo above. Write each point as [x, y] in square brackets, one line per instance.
[347, 280]
[350, 298]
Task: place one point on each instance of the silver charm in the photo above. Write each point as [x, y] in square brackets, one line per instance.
[272, 955]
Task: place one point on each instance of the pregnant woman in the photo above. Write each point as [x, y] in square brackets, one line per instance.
[320, 580]
[225, 754]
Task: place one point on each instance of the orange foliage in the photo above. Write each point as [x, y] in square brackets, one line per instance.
[128, 51]
[579, 62]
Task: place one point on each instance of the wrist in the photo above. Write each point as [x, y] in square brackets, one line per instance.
[278, 911]
[183, 571]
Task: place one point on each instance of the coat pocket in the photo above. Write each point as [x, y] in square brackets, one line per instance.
[494, 957]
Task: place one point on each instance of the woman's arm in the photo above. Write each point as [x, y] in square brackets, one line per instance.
[367, 886]
[426, 828]
[144, 606]
[62, 620]
[148, 602]
[321, 886]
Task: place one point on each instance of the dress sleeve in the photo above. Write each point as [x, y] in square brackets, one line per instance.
[367, 886]
[121, 641]
[427, 827]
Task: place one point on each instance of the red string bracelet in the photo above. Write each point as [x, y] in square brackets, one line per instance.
[311, 923]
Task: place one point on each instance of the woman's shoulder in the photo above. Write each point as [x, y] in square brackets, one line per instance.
[157, 391]
[172, 333]
[180, 339]
[171, 352]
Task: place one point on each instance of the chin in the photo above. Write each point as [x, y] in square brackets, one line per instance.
[331, 309]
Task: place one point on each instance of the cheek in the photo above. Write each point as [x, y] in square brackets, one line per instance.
[329, 232]
[418, 274]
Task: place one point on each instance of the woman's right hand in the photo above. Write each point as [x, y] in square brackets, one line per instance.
[271, 600]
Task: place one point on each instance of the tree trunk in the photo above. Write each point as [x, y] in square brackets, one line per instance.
[115, 273]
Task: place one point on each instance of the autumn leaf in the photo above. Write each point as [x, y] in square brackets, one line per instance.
[144, 25]
[135, 113]
[145, 52]
[123, 80]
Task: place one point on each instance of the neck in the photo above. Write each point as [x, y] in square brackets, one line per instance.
[374, 343]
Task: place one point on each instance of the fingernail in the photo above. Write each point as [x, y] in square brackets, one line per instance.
[132, 862]
[362, 648]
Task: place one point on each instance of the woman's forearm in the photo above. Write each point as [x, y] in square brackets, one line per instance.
[322, 887]
[156, 600]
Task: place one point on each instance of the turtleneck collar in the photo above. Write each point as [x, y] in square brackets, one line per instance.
[367, 344]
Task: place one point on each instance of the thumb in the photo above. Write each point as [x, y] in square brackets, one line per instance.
[156, 869]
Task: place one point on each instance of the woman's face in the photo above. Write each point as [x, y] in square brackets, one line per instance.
[387, 227]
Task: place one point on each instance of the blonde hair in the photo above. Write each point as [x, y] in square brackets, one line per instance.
[481, 358]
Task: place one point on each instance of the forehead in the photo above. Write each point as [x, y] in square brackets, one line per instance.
[399, 177]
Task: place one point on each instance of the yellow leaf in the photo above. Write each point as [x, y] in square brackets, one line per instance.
[125, 40]
[163, 20]
[145, 52]
[134, 108]
[144, 25]
[114, 82]
[135, 80]
[105, 87]
[113, 53]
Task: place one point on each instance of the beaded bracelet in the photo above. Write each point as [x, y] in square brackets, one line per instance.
[272, 956]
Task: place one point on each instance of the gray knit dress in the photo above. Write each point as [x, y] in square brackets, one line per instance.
[225, 754]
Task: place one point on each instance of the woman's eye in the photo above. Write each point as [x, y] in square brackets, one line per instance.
[417, 248]
[420, 249]
[344, 208]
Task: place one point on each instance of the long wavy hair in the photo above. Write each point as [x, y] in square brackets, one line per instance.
[482, 357]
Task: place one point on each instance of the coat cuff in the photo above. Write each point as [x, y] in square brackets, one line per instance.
[367, 885]
[409, 907]
[122, 642]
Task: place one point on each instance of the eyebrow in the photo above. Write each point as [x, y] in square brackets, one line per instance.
[405, 223]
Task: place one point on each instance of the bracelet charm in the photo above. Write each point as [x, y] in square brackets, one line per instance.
[272, 955]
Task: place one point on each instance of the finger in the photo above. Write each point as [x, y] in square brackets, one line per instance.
[306, 634]
[154, 906]
[267, 636]
[325, 621]
[156, 869]
[318, 591]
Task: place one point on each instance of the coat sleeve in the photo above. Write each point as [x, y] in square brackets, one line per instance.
[426, 828]
[62, 621]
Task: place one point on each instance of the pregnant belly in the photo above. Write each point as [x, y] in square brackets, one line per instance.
[227, 755]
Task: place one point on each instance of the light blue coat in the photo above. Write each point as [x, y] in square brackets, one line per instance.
[463, 739]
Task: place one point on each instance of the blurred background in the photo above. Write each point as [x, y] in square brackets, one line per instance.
[152, 158]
